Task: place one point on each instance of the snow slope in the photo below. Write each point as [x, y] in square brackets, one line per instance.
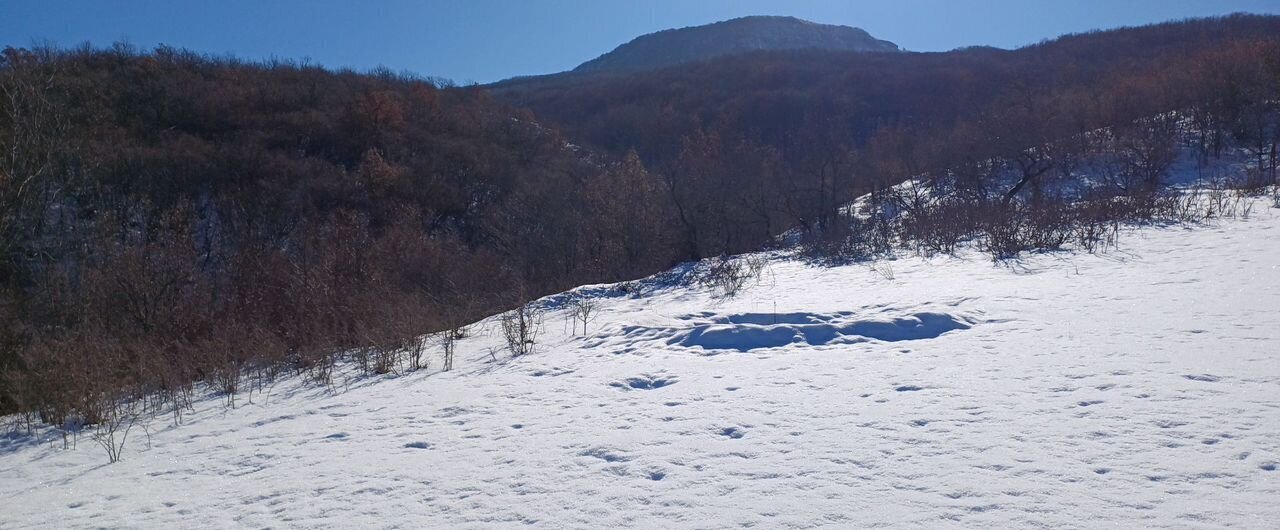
[1135, 388]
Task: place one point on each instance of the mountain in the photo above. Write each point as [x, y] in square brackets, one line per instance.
[678, 46]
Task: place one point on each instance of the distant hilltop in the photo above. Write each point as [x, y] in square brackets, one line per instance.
[677, 46]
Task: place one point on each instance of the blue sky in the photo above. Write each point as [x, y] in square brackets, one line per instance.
[487, 40]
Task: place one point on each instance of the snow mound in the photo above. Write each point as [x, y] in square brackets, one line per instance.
[750, 331]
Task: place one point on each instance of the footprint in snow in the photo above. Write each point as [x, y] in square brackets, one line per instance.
[604, 453]
[644, 382]
[552, 372]
[1202, 377]
[908, 388]
[733, 432]
[418, 445]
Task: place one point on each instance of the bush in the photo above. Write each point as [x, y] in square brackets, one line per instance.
[726, 276]
[521, 327]
[1091, 221]
[940, 228]
[111, 431]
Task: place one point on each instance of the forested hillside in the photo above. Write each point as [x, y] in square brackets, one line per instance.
[168, 217]
[786, 138]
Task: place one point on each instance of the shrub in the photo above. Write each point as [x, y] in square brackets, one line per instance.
[521, 327]
[726, 276]
[111, 431]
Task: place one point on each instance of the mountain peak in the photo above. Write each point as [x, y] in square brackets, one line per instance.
[676, 46]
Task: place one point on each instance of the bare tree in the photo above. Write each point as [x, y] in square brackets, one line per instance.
[582, 309]
[33, 137]
[448, 342]
[455, 330]
[1146, 149]
[415, 347]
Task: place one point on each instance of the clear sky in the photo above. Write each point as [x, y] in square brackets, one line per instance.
[488, 40]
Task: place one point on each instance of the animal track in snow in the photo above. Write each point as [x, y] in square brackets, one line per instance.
[550, 372]
[655, 473]
[644, 382]
[606, 454]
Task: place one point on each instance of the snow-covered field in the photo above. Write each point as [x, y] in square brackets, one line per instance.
[1138, 388]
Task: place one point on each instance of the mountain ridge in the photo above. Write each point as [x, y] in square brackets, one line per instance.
[677, 46]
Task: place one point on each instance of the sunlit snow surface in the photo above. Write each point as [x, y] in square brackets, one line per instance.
[1136, 388]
